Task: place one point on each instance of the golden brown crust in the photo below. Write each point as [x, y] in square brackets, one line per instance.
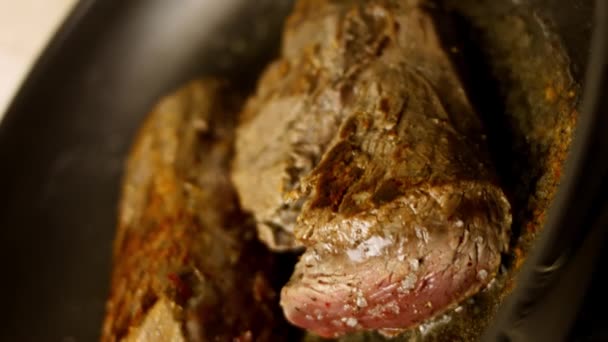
[183, 246]
[361, 145]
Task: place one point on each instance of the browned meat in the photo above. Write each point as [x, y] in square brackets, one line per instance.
[187, 266]
[362, 146]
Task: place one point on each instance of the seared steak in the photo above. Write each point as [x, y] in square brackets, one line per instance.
[187, 266]
[361, 146]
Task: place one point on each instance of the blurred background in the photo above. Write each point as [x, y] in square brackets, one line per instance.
[25, 27]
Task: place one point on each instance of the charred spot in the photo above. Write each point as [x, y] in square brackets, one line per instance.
[384, 42]
[349, 128]
[472, 207]
[387, 191]
[384, 105]
[336, 174]
[346, 92]
[147, 301]
[121, 332]
[181, 285]
[205, 136]
[131, 311]
[349, 206]
[293, 173]
[316, 48]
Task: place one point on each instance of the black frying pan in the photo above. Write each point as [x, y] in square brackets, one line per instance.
[65, 137]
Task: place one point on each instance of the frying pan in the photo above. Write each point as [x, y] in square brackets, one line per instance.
[65, 137]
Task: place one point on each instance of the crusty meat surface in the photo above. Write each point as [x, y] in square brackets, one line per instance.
[187, 266]
[361, 146]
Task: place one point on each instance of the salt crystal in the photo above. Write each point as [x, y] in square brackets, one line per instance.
[422, 234]
[408, 283]
[361, 302]
[414, 264]
[352, 322]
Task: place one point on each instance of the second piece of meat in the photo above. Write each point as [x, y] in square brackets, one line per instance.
[187, 266]
[361, 145]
